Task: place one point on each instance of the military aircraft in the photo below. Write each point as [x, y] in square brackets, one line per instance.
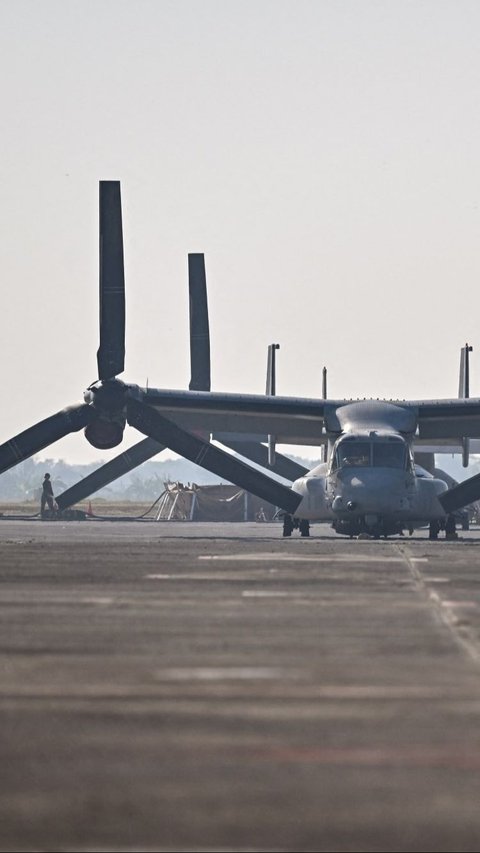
[369, 483]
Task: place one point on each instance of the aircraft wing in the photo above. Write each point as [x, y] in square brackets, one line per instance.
[301, 420]
[293, 420]
[448, 419]
[445, 445]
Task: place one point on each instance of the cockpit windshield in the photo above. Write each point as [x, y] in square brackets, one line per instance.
[379, 454]
[389, 454]
[353, 454]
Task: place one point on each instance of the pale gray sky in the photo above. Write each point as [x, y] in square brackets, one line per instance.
[324, 154]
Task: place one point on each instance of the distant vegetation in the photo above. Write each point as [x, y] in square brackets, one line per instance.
[145, 483]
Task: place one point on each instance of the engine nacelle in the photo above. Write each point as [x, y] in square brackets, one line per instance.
[104, 434]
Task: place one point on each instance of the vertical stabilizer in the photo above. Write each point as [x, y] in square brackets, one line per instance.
[464, 394]
[270, 390]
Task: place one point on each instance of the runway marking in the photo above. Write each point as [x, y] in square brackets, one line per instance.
[259, 593]
[222, 673]
[217, 576]
[437, 580]
[305, 558]
[382, 692]
[102, 601]
[159, 577]
[140, 848]
[471, 604]
[409, 755]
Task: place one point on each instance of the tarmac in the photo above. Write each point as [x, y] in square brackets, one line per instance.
[194, 687]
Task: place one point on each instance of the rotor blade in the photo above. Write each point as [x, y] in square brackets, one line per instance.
[258, 453]
[46, 432]
[109, 472]
[465, 493]
[199, 328]
[151, 423]
[111, 353]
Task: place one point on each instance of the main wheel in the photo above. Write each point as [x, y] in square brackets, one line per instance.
[304, 527]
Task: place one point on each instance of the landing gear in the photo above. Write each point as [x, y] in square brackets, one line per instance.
[450, 531]
[447, 524]
[304, 527]
[290, 524]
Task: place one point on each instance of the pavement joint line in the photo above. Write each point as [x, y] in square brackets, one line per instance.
[459, 630]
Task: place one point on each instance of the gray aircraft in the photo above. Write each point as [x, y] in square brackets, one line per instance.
[369, 483]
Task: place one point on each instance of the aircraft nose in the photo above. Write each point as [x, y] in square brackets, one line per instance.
[372, 491]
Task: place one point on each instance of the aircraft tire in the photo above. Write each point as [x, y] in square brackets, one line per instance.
[304, 528]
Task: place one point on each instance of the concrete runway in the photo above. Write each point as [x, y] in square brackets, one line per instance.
[187, 687]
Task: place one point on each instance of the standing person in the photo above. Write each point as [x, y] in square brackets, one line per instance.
[47, 495]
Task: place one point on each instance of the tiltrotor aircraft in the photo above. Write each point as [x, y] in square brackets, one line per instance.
[370, 482]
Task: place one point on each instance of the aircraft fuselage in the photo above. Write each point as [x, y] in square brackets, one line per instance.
[370, 484]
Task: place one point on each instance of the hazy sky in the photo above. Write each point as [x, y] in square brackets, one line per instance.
[324, 154]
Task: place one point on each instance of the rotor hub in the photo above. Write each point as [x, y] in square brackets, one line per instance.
[108, 396]
[108, 399]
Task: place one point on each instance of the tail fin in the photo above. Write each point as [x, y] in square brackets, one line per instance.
[271, 388]
[464, 393]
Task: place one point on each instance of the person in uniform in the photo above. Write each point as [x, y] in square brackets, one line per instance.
[47, 495]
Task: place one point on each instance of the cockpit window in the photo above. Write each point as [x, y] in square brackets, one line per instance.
[380, 454]
[353, 454]
[389, 455]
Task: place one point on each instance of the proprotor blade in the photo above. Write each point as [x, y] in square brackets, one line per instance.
[462, 495]
[199, 328]
[109, 472]
[111, 353]
[46, 432]
[258, 453]
[151, 423]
